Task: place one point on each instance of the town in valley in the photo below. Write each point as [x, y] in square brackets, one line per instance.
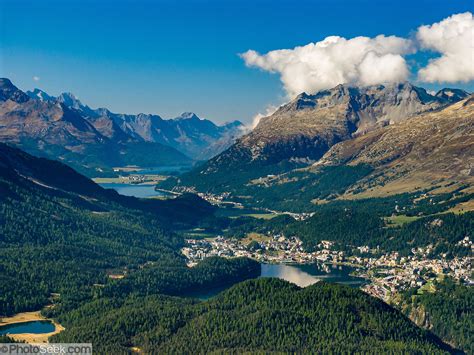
[386, 273]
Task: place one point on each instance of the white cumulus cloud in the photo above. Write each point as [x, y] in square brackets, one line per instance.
[36, 78]
[336, 60]
[453, 38]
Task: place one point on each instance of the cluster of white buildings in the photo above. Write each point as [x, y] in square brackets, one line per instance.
[275, 249]
[390, 274]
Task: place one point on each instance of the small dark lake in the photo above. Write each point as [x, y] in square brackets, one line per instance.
[300, 274]
[33, 327]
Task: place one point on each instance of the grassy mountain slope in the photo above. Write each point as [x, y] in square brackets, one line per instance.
[417, 153]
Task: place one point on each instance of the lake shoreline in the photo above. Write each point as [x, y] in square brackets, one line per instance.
[300, 274]
[142, 190]
[26, 317]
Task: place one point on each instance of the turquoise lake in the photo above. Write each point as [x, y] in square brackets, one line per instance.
[33, 327]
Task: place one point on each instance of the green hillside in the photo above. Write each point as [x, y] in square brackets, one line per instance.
[54, 240]
[256, 316]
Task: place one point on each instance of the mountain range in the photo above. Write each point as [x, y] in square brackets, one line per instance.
[96, 140]
[197, 138]
[308, 125]
[399, 128]
[410, 138]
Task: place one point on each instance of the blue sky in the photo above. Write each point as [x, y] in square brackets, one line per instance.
[167, 57]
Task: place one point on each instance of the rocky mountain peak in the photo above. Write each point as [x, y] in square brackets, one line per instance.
[70, 100]
[368, 105]
[310, 124]
[40, 95]
[452, 95]
[102, 111]
[8, 91]
[233, 124]
[188, 116]
[302, 101]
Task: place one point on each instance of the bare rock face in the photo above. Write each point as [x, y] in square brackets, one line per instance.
[348, 111]
[197, 138]
[43, 121]
[8, 91]
[452, 95]
[309, 125]
[60, 128]
[92, 139]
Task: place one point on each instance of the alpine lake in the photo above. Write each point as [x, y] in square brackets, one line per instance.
[300, 274]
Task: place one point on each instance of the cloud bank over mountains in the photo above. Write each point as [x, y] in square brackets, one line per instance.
[336, 60]
[368, 61]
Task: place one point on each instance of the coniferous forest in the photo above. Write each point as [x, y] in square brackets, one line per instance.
[237, 177]
[91, 253]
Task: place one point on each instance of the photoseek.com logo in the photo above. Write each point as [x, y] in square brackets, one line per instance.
[59, 348]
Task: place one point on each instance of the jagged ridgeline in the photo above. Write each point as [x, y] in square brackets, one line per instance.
[378, 140]
[95, 140]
